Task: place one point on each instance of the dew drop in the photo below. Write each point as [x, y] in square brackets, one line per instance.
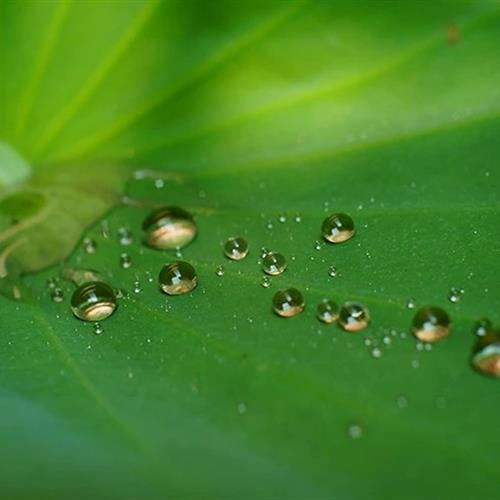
[431, 324]
[332, 272]
[482, 327]
[169, 228]
[89, 245]
[402, 401]
[486, 354]
[455, 295]
[354, 317]
[338, 228]
[274, 263]
[137, 288]
[124, 236]
[376, 353]
[263, 252]
[93, 301]
[265, 281]
[178, 278]
[159, 183]
[288, 302]
[282, 218]
[242, 408]
[327, 311]
[298, 218]
[57, 295]
[98, 329]
[411, 303]
[236, 248]
[354, 431]
[219, 270]
[317, 245]
[125, 261]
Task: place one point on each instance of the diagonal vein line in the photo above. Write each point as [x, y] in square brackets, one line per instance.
[190, 79]
[86, 384]
[97, 77]
[328, 153]
[41, 64]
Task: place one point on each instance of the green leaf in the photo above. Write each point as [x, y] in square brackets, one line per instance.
[247, 111]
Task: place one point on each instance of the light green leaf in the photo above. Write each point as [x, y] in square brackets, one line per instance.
[245, 112]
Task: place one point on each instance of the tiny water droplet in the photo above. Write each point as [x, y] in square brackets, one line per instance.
[482, 327]
[263, 252]
[98, 329]
[354, 317]
[486, 354]
[159, 183]
[431, 324]
[376, 353]
[89, 245]
[124, 236]
[354, 431]
[242, 408]
[317, 245]
[327, 311]
[169, 228]
[455, 295]
[57, 295]
[338, 228]
[105, 231]
[93, 301]
[236, 248]
[137, 288]
[265, 281]
[219, 270]
[282, 218]
[402, 401]
[125, 261]
[411, 303]
[298, 218]
[178, 278]
[288, 302]
[386, 340]
[274, 263]
[332, 272]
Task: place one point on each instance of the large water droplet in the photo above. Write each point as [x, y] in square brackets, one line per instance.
[354, 317]
[178, 278]
[93, 301]
[236, 248]
[486, 354]
[431, 324]
[274, 263]
[288, 302]
[169, 228]
[327, 311]
[338, 228]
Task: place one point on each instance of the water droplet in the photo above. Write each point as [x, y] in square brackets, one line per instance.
[169, 228]
[125, 261]
[98, 329]
[317, 245]
[93, 301]
[282, 218]
[338, 228]
[332, 272]
[105, 229]
[159, 183]
[288, 302]
[402, 401]
[236, 248]
[124, 236]
[411, 303]
[219, 270]
[431, 324]
[57, 295]
[327, 311]
[137, 288]
[242, 408]
[89, 245]
[178, 278]
[376, 352]
[455, 295]
[486, 354]
[354, 431]
[263, 252]
[482, 327]
[386, 340]
[354, 317]
[274, 263]
[265, 281]
[298, 218]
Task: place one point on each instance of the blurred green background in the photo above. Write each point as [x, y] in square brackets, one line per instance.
[245, 112]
